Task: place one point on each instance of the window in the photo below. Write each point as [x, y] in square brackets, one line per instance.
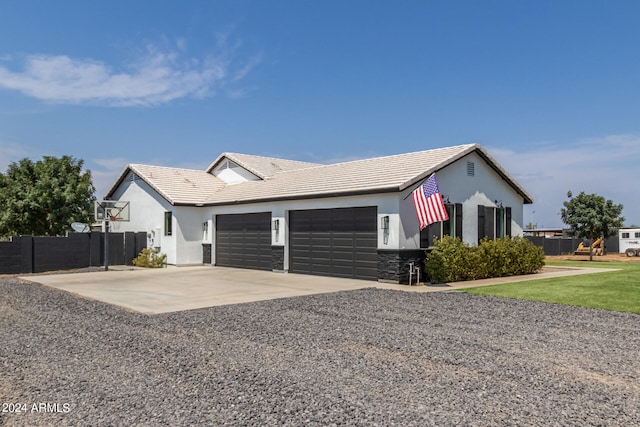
[167, 223]
[493, 222]
[500, 222]
[451, 227]
[637, 234]
[625, 235]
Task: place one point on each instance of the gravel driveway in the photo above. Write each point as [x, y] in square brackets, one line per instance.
[367, 357]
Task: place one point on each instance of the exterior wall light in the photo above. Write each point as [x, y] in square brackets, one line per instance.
[384, 222]
[276, 225]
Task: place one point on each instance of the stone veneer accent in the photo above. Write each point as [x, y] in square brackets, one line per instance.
[393, 265]
[206, 253]
[277, 258]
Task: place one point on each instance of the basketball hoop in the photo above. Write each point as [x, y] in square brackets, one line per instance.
[111, 210]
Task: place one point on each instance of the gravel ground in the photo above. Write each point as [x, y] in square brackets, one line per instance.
[369, 357]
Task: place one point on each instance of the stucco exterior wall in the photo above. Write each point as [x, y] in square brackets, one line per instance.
[146, 211]
[486, 188]
[188, 234]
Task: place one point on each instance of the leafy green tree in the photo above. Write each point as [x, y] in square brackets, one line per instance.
[591, 216]
[43, 198]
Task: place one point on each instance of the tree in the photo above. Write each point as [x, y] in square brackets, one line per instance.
[591, 216]
[45, 197]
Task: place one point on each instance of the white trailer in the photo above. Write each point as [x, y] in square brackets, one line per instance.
[629, 241]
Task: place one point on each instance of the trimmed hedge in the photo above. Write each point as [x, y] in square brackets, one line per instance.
[453, 261]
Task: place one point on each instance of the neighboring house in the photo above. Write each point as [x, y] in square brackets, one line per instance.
[353, 219]
[546, 232]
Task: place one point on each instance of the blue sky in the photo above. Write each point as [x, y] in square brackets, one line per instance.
[550, 88]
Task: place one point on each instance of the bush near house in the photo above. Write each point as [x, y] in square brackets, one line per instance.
[150, 258]
[453, 261]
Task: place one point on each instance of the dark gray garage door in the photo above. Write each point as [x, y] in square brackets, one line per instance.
[334, 242]
[244, 240]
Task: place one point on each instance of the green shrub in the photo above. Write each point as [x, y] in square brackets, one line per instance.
[150, 258]
[453, 261]
[446, 263]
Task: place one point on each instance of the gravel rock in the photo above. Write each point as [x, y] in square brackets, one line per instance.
[367, 357]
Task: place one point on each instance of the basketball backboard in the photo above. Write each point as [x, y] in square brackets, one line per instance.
[111, 210]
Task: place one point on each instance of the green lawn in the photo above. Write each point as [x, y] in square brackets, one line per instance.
[615, 290]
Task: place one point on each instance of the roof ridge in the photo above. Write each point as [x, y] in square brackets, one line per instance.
[166, 167]
[369, 159]
[263, 157]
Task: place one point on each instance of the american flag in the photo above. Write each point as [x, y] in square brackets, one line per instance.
[428, 203]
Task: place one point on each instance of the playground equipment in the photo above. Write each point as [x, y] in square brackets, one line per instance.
[597, 246]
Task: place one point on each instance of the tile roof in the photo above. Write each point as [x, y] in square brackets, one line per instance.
[176, 185]
[286, 179]
[389, 173]
[260, 166]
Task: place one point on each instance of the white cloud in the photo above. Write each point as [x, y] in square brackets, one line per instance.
[246, 68]
[606, 166]
[158, 77]
[10, 152]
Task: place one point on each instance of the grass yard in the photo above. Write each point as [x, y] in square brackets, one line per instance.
[615, 291]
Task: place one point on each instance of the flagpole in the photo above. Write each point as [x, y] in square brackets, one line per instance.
[419, 184]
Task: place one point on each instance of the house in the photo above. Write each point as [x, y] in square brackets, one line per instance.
[546, 232]
[352, 219]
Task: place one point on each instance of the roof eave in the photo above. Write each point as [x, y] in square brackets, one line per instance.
[235, 160]
[117, 182]
[526, 197]
[131, 168]
[306, 196]
[439, 166]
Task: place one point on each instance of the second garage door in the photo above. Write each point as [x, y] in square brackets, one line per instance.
[334, 242]
[244, 240]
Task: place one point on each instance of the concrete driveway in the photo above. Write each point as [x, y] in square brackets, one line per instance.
[166, 290]
[184, 288]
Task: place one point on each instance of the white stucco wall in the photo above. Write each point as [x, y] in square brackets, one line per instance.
[188, 234]
[484, 188]
[146, 211]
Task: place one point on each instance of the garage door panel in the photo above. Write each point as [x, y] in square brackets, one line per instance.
[343, 270]
[319, 255]
[343, 256]
[366, 242]
[244, 240]
[362, 257]
[339, 242]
